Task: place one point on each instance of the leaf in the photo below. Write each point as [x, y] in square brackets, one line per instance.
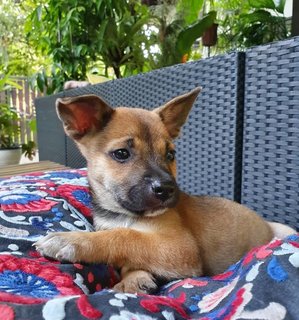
[257, 16]
[39, 12]
[28, 149]
[32, 125]
[40, 82]
[138, 25]
[12, 83]
[77, 50]
[111, 30]
[267, 4]
[69, 15]
[190, 9]
[187, 37]
[280, 6]
[98, 4]
[101, 34]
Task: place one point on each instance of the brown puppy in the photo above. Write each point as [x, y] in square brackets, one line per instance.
[146, 225]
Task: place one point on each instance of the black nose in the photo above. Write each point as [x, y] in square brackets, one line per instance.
[163, 190]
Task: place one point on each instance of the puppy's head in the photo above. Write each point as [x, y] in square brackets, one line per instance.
[129, 151]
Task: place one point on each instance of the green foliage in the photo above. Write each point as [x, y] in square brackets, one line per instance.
[264, 24]
[9, 122]
[179, 27]
[246, 23]
[190, 9]
[71, 38]
[262, 4]
[78, 32]
[122, 42]
[8, 127]
[15, 53]
[188, 35]
[29, 149]
[11, 19]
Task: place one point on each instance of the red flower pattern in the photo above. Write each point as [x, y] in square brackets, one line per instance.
[69, 192]
[16, 274]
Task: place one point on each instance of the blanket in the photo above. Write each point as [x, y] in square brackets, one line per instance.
[264, 284]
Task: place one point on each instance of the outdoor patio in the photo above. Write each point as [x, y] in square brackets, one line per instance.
[240, 142]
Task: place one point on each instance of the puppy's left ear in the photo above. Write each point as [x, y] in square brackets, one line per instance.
[175, 112]
[83, 115]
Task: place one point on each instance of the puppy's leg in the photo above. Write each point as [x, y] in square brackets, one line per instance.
[163, 255]
[137, 281]
[280, 230]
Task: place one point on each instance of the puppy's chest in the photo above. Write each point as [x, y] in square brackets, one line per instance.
[114, 221]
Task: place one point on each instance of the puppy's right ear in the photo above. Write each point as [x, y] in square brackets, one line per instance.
[175, 112]
[83, 115]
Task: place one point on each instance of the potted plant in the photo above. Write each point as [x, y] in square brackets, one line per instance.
[209, 37]
[10, 150]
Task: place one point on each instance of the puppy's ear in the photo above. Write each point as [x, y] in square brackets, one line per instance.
[175, 112]
[82, 115]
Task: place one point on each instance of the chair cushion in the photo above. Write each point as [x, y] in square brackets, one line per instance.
[263, 285]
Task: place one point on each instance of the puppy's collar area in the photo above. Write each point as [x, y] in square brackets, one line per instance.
[108, 219]
[154, 213]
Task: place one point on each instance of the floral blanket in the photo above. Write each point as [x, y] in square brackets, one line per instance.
[263, 285]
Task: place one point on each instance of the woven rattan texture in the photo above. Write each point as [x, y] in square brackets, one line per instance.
[271, 134]
[74, 158]
[206, 149]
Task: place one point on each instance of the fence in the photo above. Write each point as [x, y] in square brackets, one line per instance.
[22, 101]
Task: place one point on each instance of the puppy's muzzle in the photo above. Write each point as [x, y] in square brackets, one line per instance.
[153, 192]
[162, 189]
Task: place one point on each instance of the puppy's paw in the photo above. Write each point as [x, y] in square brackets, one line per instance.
[62, 246]
[137, 282]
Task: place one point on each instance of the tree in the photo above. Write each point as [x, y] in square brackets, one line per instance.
[180, 23]
[77, 33]
[246, 23]
[16, 55]
[128, 37]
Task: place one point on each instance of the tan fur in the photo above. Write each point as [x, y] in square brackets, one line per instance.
[198, 236]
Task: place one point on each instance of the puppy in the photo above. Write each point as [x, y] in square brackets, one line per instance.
[145, 225]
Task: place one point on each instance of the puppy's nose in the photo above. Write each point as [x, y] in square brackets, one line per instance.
[163, 190]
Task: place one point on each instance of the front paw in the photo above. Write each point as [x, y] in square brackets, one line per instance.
[63, 246]
[137, 281]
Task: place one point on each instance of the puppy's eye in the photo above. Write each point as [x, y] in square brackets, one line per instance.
[121, 155]
[170, 155]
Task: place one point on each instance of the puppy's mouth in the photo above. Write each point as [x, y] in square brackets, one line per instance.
[140, 211]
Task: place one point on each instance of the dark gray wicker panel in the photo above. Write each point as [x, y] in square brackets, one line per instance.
[271, 136]
[104, 90]
[50, 134]
[74, 158]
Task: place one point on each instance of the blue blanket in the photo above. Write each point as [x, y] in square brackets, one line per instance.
[262, 285]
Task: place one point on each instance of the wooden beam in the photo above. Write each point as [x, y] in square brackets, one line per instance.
[12, 170]
[295, 18]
